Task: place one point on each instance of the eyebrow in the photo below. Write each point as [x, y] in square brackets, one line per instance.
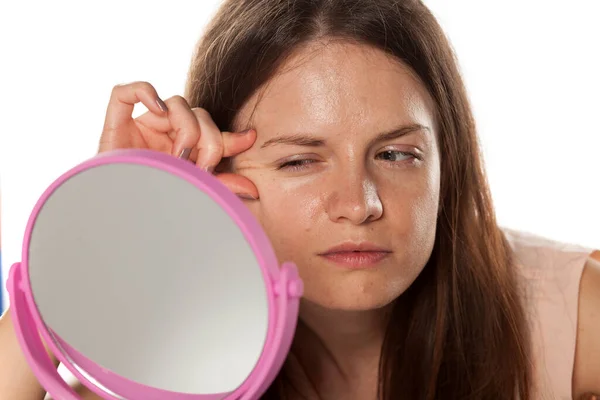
[313, 141]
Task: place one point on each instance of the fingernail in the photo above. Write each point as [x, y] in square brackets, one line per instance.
[162, 105]
[185, 154]
[246, 196]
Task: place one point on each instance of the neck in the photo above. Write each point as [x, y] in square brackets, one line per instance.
[340, 346]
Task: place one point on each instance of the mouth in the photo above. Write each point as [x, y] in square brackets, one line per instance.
[356, 255]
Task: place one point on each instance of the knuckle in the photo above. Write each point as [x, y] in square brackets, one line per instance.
[137, 85]
[203, 115]
[143, 85]
[215, 147]
[202, 112]
[177, 99]
[117, 88]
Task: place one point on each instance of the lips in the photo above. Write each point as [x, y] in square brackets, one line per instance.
[356, 247]
[356, 255]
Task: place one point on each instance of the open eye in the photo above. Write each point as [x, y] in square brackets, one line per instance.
[396, 156]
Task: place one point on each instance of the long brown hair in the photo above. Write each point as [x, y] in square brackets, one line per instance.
[460, 330]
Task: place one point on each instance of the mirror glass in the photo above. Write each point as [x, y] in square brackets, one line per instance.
[147, 276]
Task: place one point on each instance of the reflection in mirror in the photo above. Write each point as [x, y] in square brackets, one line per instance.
[145, 275]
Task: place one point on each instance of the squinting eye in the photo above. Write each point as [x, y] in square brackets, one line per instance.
[393, 155]
[296, 165]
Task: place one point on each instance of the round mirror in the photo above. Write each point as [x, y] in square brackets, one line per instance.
[147, 275]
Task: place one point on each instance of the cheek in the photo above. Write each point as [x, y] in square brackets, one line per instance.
[287, 213]
[411, 208]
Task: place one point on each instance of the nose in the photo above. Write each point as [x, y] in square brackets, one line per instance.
[354, 198]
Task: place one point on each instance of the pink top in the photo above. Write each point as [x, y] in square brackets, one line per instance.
[551, 273]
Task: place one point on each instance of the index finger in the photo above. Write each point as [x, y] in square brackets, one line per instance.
[123, 99]
[235, 143]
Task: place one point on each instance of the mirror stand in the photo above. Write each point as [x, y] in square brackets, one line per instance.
[288, 289]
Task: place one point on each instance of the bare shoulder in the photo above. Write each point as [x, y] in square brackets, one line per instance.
[586, 373]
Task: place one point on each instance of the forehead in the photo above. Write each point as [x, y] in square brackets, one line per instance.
[338, 87]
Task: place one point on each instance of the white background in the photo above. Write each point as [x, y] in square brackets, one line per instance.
[531, 67]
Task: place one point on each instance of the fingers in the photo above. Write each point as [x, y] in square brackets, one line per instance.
[123, 99]
[239, 185]
[183, 125]
[210, 146]
[159, 123]
[235, 143]
[191, 129]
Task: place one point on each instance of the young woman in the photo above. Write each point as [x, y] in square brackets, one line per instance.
[345, 127]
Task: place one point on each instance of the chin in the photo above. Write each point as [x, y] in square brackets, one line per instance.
[356, 294]
[354, 305]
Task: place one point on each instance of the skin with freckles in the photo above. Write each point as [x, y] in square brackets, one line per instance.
[346, 151]
[325, 175]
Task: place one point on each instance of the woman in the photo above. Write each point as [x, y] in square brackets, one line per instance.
[345, 127]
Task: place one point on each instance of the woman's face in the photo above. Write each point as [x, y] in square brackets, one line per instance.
[346, 154]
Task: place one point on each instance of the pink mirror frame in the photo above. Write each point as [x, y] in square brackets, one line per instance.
[282, 283]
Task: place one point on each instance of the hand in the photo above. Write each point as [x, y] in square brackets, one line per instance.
[173, 127]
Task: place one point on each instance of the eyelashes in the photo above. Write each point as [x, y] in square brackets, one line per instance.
[389, 156]
[392, 153]
[296, 165]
